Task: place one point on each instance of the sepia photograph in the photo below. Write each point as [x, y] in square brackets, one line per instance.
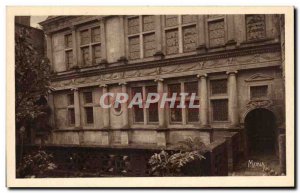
[163, 94]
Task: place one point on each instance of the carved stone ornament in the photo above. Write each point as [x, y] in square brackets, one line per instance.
[259, 104]
[259, 77]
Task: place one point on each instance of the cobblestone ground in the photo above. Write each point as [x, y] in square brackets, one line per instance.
[258, 165]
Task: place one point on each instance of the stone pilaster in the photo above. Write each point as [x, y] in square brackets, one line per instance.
[203, 99]
[233, 98]
[74, 46]
[201, 34]
[161, 134]
[105, 111]
[231, 40]
[125, 117]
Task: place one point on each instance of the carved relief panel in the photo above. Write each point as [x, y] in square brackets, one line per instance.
[149, 44]
[134, 47]
[255, 27]
[171, 20]
[148, 23]
[189, 38]
[172, 41]
[216, 31]
[133, 25]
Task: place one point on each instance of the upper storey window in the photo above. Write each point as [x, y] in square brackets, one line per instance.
[141, 36]
[255, 27]
[216, 30]
[69, 51]
[180, 33]
[90, 46]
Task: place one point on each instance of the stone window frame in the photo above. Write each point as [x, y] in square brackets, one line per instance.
[68, 49]
[140, 35]
[212, 97]
[70, 106]
[146, 121]
[214, 19]
[84, 105]
[180, 26]
[91, 44]
[265, 31]
[262, 83]
[184, 113]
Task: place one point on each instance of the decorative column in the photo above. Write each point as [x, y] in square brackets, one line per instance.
[106, 117]
[161, 135]
[124, 109]
[74, 46]
[203, 99]
[233, 98]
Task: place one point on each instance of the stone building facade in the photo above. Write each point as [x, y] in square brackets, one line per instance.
[233, 62]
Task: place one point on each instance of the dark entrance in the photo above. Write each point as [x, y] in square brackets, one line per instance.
[260, 128]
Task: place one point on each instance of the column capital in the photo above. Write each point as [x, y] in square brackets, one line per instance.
[122, 83]
[201, 75]
[74, 89]
[103, 85]
[232, 72]
[158, 79]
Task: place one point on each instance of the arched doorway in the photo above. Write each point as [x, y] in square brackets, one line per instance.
[261, 131]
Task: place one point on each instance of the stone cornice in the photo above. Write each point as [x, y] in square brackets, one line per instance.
[227, 55]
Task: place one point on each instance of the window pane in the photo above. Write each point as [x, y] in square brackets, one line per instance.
[171, 20]
[133, 25]
[174, 88]
[89, 115]
[71, 116]
[138, 114]
[220, 110]
[148, 22]
[135, 90]
[192, 113]
[258, 91]
[189, 19]
[176, 113]
[97, 53]
[70, 99]
[191, 87]
[69, 58]
[84, 37]
[149, 45]
[189, 38]
[85, 56]
[256, 28]
[68, 41]
[134, 47]
[96, 34]
[216, 32]
[153, 112]
[172, 41]
[88, 97]
[218, 86]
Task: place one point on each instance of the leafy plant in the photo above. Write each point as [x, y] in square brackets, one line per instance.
[35, 164]
[165, 164]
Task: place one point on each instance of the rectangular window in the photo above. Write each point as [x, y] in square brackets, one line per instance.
[257, 92]
[153, 108]
[220, 110]
[174, 88]
[216, 31]
[69, 58]
[96, 34]
[176, 113]
[89, 115]
[71, 116]
[189, 38]
[218, 86]
[171, 20]
[138, 112]
[85, 56]
[172, 41]
[189, 19]
[134, 47]
[191, 87]
[148, 23]
[68, 41]
[149, 45]
[70, 99]
[192, 113]
[255, 27]
[133, 25]
[96, 53]
[88, 97]
[84, 37]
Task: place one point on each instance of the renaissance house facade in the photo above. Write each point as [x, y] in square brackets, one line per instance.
[233, 62]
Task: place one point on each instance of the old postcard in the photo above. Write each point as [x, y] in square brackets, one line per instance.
[150, 97]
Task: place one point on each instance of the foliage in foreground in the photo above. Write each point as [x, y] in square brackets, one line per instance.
[165, 164]
[35, 164]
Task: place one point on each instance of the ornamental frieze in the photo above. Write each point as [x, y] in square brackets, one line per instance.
[259, 104]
